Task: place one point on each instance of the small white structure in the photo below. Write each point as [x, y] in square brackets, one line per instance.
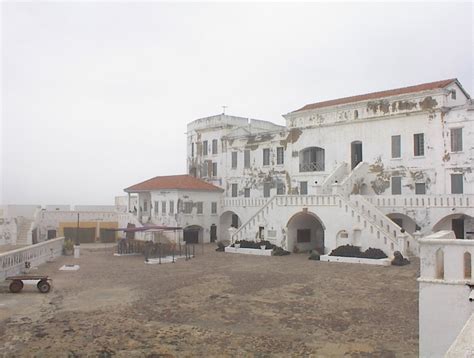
[446, 291]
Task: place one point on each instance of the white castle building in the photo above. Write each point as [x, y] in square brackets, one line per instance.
[373, 170]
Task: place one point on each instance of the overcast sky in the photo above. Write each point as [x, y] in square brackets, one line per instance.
[96, 96]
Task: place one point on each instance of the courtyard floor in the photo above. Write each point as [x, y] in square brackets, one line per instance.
[216, 304]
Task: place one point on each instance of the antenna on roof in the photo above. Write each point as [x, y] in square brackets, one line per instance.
[223, 109]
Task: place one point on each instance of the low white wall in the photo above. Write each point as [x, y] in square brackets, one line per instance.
[355, 260]
[258, 252]
[13, 262]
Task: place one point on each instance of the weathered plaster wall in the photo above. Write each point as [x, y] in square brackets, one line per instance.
[443, 300]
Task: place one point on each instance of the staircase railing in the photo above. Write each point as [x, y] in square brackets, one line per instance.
[240, 231]
[337, 175]
[377, 224]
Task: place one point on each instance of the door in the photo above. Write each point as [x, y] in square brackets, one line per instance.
[213, 233]
[458, 228]
[191, 236]
[356, 153]
[86, 235]
[107, 235]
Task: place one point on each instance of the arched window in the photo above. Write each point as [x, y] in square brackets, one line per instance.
[440, 264]
[312, 159]
[467, 265]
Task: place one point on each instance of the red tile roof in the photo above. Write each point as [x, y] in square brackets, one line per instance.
[376, 95]
[182, 182]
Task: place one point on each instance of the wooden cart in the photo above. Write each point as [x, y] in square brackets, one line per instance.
[16, 285]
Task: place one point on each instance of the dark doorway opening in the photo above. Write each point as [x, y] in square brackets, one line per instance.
[457, 226]
[51, 234]
[213, 233]
[356, 153]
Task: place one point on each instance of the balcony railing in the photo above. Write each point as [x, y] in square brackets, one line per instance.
[311, 167]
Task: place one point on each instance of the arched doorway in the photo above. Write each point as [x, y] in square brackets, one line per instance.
[305, 232]
[461, 224]
[405, 222]
[228, 219]
[193, 234]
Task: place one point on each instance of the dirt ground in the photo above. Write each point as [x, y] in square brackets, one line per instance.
[216, 304]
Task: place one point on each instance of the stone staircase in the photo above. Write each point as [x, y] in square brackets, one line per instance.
[336, 213]
[23, 231]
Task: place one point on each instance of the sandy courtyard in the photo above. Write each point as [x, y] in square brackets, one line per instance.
[214, 305]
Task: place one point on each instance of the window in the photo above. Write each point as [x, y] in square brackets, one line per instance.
[456, 183]
[396, 185]
[280, 155]
[303, 235]
[266, 156]
[280, 189]
[453, 94]
[163, 207]
[199, 207]
[204, 147]
[456, 140]
[396, 146]
[156, 207]
[234, 160]
[145, 205]
[246, 158]
[214, 146]
[356, 114]
[234, 190]
[188, 207]
[213, 207]
[420, 188]
[247, 192]
[192, 150]
[171, 207]
[303, 187]
[419, 144]
[312, 159]
[266, 190]
[214, 169]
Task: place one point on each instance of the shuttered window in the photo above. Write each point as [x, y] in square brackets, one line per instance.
[420, 188]
[213, 207]
[456, 140]
[199, 207]
[419, 144]
[204, 147]
[396, 146]
[171, 207]
[280, 155]
[163, 207]
[234, 160]
[214, 146]
[266, 156]
[234, 190]
[280, 189]
[396, 185]
[457, 184]
[214, 169]
[303, 187]
[247, 158]
[266, 190]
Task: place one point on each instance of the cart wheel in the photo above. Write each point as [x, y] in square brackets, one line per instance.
[43, 286]
[16, 286]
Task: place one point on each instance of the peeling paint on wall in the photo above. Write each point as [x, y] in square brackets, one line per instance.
[428, 103]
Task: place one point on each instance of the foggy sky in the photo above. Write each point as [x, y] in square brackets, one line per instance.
[96, 96]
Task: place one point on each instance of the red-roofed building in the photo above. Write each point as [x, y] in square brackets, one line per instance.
[179, 201]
